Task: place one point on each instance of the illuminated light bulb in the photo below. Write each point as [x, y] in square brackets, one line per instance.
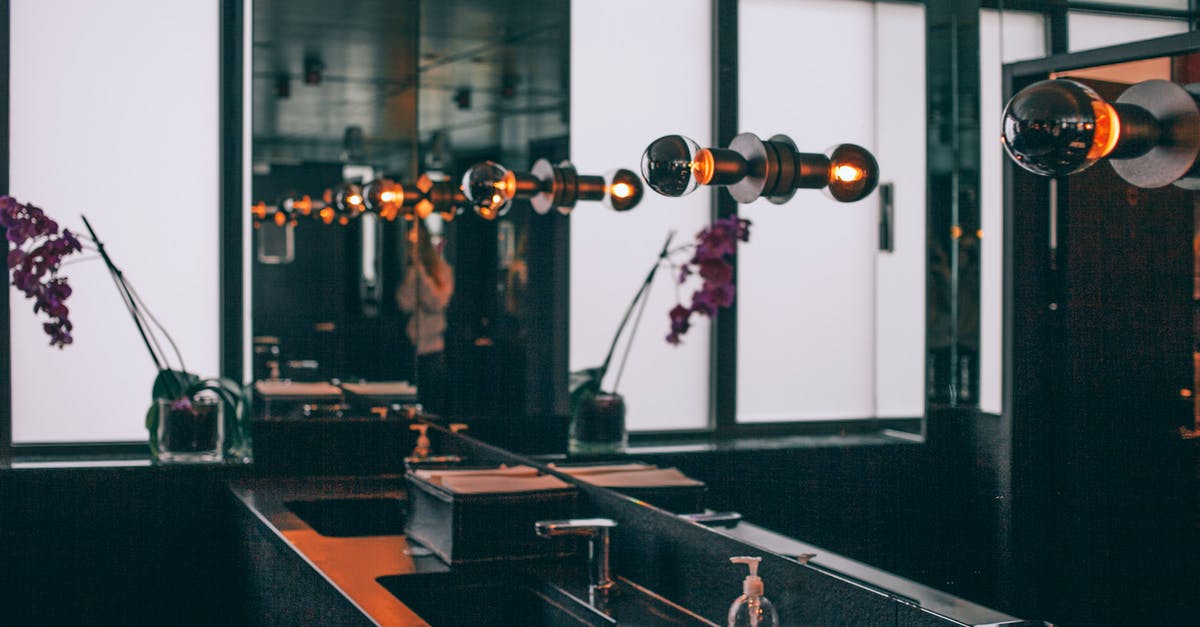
[704, 166]
[847, 173]
[385, 197]
[326, 215]
[955, 232]
[303, 205]
[670, 164]
[489, 187]
[853, 173]
[486, 212]
[348, 202]
[623, 189]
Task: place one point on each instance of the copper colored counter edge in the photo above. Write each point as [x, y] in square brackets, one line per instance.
[350, 565]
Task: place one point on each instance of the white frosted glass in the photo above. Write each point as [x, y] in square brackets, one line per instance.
[639, 70]
[900, 275]
[1023, 38]
[1092, 30]
[114, 114]
[806, 280]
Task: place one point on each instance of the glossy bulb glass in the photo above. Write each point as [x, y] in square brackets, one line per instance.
[669, 165]
[622, 189]
[1059, 127]
[347, 203]
[488, 188]
[853, 173]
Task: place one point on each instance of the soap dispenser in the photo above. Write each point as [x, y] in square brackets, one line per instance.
[752, 609]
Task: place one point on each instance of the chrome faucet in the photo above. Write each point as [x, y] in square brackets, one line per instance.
[596, 531]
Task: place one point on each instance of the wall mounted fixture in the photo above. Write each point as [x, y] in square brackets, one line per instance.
[1150, 134]
[389, 199]
[490, 188]
[438, 194]
[751, 168]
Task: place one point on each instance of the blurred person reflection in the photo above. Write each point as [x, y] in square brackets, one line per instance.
[425, 294]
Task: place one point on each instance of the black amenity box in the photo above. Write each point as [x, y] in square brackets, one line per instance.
[464, 528]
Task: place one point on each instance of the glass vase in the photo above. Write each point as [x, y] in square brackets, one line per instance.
[190, 432]
[598, 425]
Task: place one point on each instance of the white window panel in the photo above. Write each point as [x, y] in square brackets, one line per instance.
[115, 115]
[1096, 30]
[639, 70]
[1003, 38]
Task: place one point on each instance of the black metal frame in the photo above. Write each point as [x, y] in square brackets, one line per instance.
[232, 215]
[5, 333]
[723, 342]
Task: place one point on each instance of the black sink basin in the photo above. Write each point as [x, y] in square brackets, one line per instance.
[352, 516]
[454, 600]
[486, 604]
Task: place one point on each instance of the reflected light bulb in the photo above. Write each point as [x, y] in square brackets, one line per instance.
[670, 165]
[326, 215]
[488, 186]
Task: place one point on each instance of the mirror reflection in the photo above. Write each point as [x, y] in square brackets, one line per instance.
[398, 90]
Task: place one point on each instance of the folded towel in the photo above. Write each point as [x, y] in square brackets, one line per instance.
[576, 471]
[655, 478]
[381, 388]
[493, 484]
[437, 475]
[292, 389]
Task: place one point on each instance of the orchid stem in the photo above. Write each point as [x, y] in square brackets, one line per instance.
[640, 294]
[123, 289]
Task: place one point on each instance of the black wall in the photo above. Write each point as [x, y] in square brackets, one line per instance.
[118, 546]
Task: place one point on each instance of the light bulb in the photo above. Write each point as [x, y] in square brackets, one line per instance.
[1059, 127]
[623, 189]
[853, 173]
[347, 203]
[670, 164]
[283, 212]
[488, 186]
[385, 197]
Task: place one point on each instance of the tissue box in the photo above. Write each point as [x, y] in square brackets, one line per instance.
[461, 525]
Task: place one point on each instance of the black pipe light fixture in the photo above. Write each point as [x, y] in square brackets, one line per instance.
[438, 194]
[751, 168]
[490, 188]
[1150, 134]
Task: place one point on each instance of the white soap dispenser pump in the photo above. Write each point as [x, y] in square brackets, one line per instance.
[752, 609]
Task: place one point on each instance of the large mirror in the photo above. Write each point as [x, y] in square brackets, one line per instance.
[349, 92]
